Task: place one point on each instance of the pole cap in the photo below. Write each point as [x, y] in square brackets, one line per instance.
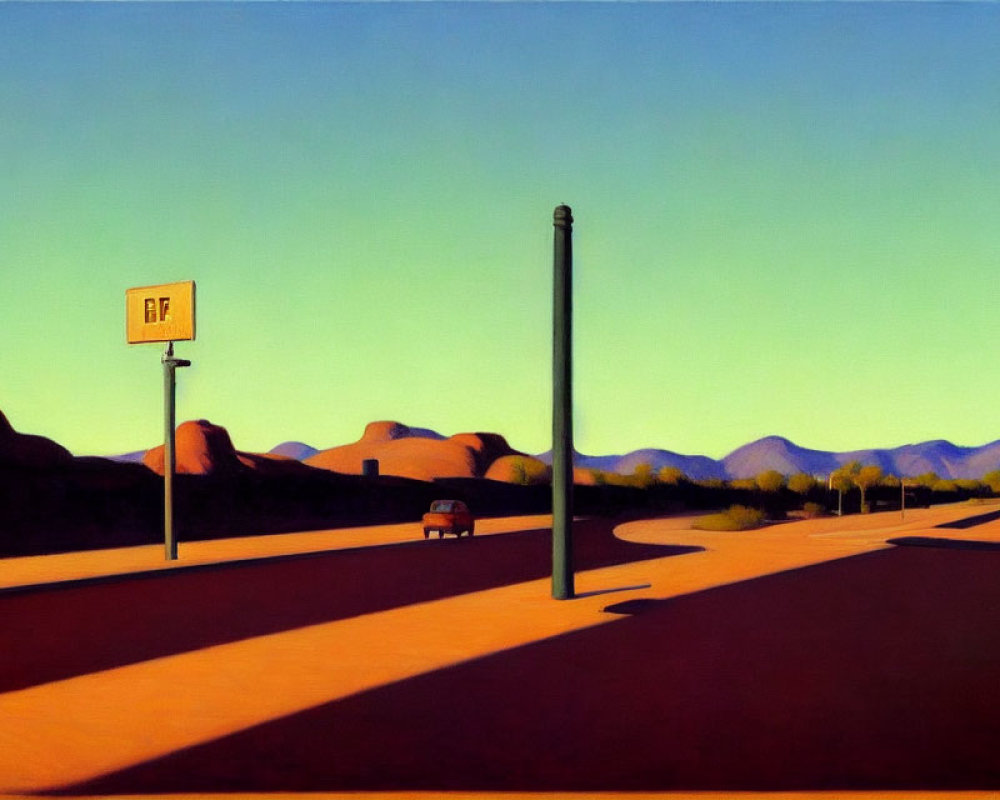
[563, 216]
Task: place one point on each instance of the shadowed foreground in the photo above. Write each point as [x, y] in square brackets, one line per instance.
[51, 633]
[877, 671]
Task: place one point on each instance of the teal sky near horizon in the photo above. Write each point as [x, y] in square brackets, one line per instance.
[786, 219]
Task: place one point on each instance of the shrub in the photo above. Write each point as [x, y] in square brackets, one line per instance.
[770, 480]
[813, 510]
[528, 471]
[643, 476]
[670, 475]
[801, 483]
[736, 518]
[992, 480]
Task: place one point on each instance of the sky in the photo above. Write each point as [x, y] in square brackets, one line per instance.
[787, 219]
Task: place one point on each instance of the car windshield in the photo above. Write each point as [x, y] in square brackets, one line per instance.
[443, 505]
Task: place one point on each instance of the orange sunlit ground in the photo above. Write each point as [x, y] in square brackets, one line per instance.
[801, 658]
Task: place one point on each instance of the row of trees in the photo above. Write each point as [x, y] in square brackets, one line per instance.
[852, 486]
[851, 477]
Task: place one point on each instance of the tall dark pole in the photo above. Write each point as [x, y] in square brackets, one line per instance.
[169, 458]
[170, 365]
[562, 406]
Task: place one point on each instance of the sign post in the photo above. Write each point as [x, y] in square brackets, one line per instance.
[170, 364]
[164, 313]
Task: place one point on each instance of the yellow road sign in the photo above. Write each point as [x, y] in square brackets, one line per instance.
[163, 313]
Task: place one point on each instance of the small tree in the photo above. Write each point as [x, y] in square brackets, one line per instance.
[840, 479]
[801, 483]
[642, 475]
[770, 480]
[865, 478]
[812, 510]
[928, 479]
[992, 481]
[670, 475]
[527, 471]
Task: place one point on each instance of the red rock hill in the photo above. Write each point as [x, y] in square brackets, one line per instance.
[202, 448]
[403, 452]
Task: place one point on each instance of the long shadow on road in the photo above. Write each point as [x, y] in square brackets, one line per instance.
[874, 672]
[972, 522]
[57, 633]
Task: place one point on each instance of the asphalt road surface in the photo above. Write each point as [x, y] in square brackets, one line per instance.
[58, 632]
[804, 657]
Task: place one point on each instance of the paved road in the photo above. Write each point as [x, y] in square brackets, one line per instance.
[56, 632]
[444, 665]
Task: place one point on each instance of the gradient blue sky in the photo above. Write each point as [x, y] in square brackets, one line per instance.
[787, 219]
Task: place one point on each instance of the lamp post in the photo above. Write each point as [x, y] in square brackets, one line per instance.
[840, 491]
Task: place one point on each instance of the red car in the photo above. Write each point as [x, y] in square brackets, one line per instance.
[449, 516]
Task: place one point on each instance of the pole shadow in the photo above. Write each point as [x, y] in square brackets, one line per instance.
[971, 522]
[946, 544]
[598, 592]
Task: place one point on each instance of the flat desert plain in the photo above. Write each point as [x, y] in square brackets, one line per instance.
[854, 657]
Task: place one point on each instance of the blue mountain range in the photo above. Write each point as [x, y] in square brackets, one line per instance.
[774, 452]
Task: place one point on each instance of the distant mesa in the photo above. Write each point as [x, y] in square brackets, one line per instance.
[28, 450]
[387, 431]
[201, 448]
[416, 453]
[297, 450]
